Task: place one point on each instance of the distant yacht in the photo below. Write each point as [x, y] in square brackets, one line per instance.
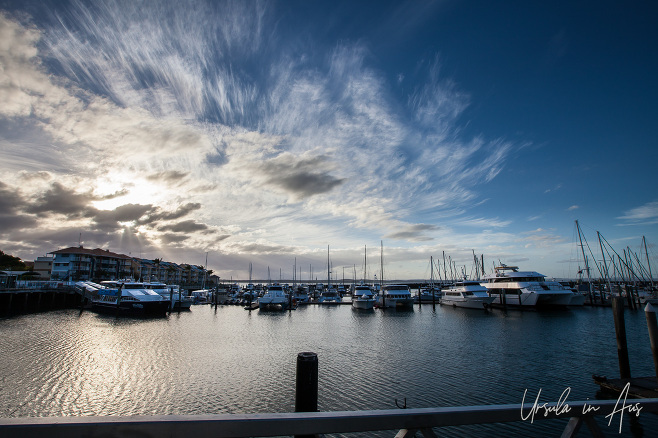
[396, 296]
[330, 295]
[274, 299]
[363, 298]
[469, 294]
[512, 287]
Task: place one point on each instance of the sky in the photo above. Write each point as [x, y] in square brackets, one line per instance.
[273, 133]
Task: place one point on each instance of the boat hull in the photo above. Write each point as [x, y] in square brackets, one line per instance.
[363, 304]
[272, 305]
[471, 303]
[397, 303]
[144, 308]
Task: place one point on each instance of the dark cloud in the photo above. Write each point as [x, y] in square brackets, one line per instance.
[108, 220]
[184, 227]
[9, 222]
[259, 248]
[61, 200]
[300, 177]
[181, 211]
[116, 194]
[11, 202]
[414, 233]
[305, 184]
[173, 238]
[10, 199]
[171, 177]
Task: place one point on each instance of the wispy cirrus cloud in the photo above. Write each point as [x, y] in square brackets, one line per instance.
[170, 111]
[646, 214]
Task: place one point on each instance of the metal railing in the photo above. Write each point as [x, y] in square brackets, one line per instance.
[407, 421]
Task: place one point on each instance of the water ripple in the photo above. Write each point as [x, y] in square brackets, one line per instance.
[232, 361]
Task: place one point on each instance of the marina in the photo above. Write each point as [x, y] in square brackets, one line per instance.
[225, 360]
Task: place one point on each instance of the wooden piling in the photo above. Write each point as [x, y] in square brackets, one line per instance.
[629, 296]
[650, 313]
[620, 330]
[306, 392]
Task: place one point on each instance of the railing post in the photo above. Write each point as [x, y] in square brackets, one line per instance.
[650, 313]
[306, 391]
[620, 330]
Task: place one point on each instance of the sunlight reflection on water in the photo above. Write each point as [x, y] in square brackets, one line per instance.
[228, 360]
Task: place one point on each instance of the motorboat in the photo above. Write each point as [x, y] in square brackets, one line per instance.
[201, 296]
[395, 296]
[125, 297]
[469, 294]
[274, 299]
[330, 295]
[363, 298]
[173, 294]
[511, 287]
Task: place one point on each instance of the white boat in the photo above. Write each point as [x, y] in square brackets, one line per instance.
[172, 293]
[274, 299]
[363, 298]
[511, 287]
[201, 296]
[578, 298]
[330, 295]
[125, 297]
[469, 294]
[396, 296]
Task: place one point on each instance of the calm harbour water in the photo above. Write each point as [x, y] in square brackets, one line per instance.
[229, 360]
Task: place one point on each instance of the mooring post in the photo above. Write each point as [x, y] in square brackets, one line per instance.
[620, 330]
[650, 313]
[306, 392]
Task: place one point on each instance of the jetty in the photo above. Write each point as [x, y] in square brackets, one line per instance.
[38, 296]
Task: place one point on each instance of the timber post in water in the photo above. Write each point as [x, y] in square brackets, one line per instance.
[650, 313]
[306, 391]
[620, 330]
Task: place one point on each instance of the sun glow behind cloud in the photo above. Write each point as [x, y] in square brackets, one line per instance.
[208, 127]
[152, 119]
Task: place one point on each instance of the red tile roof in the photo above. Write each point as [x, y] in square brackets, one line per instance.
[96, 252]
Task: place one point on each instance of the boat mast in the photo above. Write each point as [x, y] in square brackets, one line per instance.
[605, 264]
[445, 272]
[646, 252]
[381, 279]
[582, 249]
[328, 271]
[365, 264]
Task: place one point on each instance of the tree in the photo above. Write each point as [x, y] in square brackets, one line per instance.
[157, 268]
[11, 263]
